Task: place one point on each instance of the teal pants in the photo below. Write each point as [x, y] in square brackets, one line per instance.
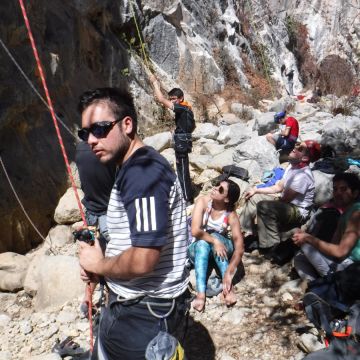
[199, 254]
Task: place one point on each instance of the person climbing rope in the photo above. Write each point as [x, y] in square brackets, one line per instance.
[185, 125]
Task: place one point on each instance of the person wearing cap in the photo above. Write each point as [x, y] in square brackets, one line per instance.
[296, 192]
[286, 138]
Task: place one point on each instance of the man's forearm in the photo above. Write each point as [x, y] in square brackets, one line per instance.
[132, 263]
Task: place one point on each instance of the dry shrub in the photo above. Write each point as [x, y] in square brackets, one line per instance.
[335, 76]
[299, 45]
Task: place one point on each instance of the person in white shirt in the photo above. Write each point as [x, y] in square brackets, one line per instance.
[296, 189]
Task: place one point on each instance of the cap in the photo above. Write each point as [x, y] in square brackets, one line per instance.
[279, 115]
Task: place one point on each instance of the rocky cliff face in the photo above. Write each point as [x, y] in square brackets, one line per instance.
[205, 47]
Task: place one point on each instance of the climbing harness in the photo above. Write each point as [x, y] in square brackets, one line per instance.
[39, 66]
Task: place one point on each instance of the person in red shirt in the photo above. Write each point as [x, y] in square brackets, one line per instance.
[286, 138]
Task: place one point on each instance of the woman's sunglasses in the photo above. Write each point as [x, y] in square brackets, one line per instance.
[99, 129]
[220, 189]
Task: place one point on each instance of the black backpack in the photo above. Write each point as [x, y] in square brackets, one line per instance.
[186, 121]
[332, 296]
[344, 347]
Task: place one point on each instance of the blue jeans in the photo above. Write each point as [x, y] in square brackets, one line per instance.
[199, 254]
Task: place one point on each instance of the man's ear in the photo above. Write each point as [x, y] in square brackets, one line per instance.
[127, 125]
[305, 158]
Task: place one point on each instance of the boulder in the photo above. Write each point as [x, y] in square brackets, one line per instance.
[13, 269]
[206, 175]
[159, 141]
[264, 123]
[206, 130]
[282, 104]
[200, 162]
[67, 210]
[220, 160]
[323, 187]
[234, 134]
[59, 236]
[228, 119]
[169, 155]
[212, 149]
[58, 281]
[258, 149]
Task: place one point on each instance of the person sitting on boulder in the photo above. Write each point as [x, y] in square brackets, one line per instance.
[212, 216]
[296, 190]
[321, 257]
[286, 138]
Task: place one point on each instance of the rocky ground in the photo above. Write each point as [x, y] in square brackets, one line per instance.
[264, 324]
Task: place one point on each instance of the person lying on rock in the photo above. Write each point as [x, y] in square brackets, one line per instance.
[284, 139]
[145, 259]
[212, 215]
[320, 257]
[296, 192]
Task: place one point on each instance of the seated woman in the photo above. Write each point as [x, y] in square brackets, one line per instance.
[212, 216]
[321, 257]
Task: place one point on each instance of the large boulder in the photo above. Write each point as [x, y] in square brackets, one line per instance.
[159, 141]
[264, 123]
[67, 210]
[58, 281]
[234, 134]
[323, 187]
[258, 149]
[13, 269]
[206, 130]
[342, 134]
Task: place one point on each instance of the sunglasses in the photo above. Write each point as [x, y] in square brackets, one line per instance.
[300, 147]
[99, 129]
[221, 189]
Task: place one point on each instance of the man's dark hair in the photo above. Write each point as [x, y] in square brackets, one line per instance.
[120, 102]
[176, 92]
[352, 180]
[233, 193]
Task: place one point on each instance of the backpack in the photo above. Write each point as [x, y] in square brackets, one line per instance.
[331, 297]
[186, 121]
[343, 345]
[236, 171]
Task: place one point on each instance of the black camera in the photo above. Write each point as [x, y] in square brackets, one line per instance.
[85, 235]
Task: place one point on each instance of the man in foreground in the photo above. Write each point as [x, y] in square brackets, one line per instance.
[144, 262]
[296, 190]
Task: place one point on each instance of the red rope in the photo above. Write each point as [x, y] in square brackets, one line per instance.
[61, 143]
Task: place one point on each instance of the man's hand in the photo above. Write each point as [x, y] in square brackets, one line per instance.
[220, 249]
[300, 237]
[90, 256]
[88, 277]
[250, 193]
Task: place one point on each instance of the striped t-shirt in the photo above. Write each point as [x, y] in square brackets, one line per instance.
[147, 209]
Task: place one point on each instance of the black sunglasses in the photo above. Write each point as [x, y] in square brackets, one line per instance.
[99, 129]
